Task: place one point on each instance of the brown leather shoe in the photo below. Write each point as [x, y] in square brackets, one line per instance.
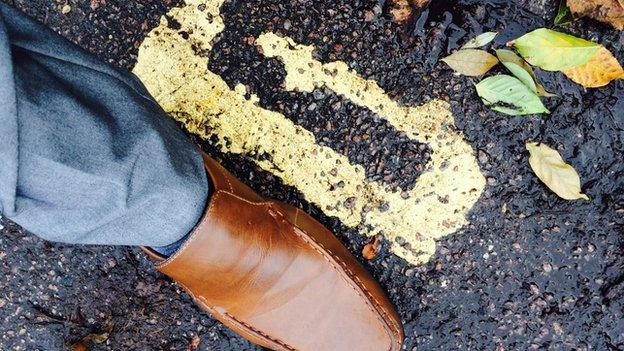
[279, 278]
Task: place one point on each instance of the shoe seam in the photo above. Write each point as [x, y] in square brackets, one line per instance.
[377, 306]
[281, 343]
[369, 297]
[227, 179]
[195, 234]
[349, 272]
[225, 175]
[203, 301]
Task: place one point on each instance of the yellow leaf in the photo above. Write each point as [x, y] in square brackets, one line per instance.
[471, 62]
[599, 71]
[558, 176]
[608, 11]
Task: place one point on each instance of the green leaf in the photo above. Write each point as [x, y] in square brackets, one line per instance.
[480, 40]
[558, 176]
[508, 95]
[515, 64]
[522, 74]
[555, 51]
[563, 13]
[471, 62]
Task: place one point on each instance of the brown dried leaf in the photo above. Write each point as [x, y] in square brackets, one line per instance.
[471, 62]
[99, 338]
[601, 69]
[402, 10]
[79, 347]
[369, 251]
[609, 11]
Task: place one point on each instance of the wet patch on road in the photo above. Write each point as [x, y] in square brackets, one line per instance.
[528, 271]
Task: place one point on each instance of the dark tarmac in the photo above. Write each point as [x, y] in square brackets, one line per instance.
[546, 274]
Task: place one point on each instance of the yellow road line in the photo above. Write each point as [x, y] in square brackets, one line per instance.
[437, 205]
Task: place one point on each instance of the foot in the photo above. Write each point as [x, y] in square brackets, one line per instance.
[277, 277]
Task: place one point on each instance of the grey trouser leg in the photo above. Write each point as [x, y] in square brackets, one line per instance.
[86, 155]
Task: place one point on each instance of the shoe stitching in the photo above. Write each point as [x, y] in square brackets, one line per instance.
[211, 209]
[348, 271]
[281, 343]
[228, 181]
[203, 301]
[297, 215]
[219, 169]
[356, 279]
[307, 237]
[225, 175]
[195, 235]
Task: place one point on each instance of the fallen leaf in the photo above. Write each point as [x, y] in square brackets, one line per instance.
[369, 251]
[515, 64]
[598, 72]
[608, 11]
[194, 343]
[480, 40]
[563, 13]
[555, 51]
[471, 62]
[97, 338]
[402, 10]
[507, 94]
[558, 176]
[523, 75]
[79, 347]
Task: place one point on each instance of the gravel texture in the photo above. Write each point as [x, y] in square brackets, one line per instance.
[544, 274]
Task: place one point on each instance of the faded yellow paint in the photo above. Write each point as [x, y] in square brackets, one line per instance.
[175, 72]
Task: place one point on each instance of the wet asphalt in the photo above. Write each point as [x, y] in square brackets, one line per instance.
[546, 274]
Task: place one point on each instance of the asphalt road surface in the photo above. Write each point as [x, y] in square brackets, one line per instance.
[525, 271]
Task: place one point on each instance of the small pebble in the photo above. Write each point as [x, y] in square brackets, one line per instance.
[66, 9]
